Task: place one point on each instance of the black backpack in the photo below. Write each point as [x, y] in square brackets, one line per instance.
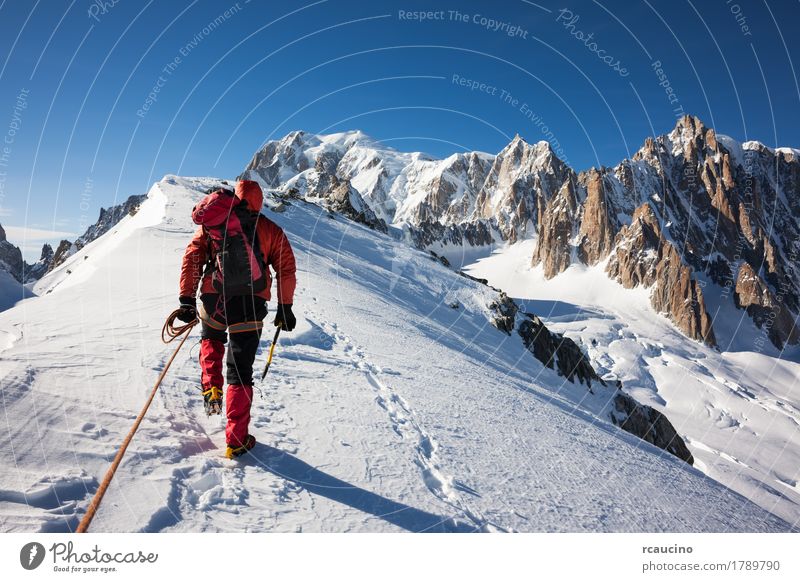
[237, 262]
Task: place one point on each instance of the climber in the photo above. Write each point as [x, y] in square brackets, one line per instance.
[229, 259]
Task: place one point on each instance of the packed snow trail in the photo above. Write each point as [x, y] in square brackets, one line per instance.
[393, 406]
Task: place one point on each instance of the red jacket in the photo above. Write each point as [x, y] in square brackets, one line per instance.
[275, 248]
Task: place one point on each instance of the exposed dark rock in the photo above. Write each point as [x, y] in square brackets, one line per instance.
[642, 256]
[476, 279]
[563, 355]
[39, 268]
[474, 234]
[505, 310]
[649, 425]
[10, 257]
[556, 229]
[109, 217]
[521, 181]
[596, 228]
[324, 179]
[556, 351]
[441, 259]
[49, 260]
[64, 251]
[753, 294]
[346, 200]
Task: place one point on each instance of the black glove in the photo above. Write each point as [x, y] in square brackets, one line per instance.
[188, 310]
[284, 318]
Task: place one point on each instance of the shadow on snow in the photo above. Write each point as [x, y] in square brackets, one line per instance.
[320, 483]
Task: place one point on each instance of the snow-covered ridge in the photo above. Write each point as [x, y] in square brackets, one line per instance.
[395, 405]
[21, 277]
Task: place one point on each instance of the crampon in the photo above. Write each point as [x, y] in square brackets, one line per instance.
[212, 400]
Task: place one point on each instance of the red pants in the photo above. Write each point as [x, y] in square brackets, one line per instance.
[237, 398]
[241, 354]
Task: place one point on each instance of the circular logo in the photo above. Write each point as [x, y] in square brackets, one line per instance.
[31, 555]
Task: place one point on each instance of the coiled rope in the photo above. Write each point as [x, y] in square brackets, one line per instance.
[169, 333]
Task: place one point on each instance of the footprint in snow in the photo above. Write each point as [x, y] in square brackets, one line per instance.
[311, 335]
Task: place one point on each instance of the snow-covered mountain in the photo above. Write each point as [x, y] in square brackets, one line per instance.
[11, 257]
[690, 213]
[409, 397]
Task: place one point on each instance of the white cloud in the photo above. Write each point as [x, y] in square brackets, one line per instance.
[18, 234]
[5, 212]
[31, 252]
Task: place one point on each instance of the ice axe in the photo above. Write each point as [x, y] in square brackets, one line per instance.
[271, 351]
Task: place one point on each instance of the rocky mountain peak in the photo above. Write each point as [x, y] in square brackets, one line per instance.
[651, 152]
[10, 257]
[684, 204]
[515, 150]
[519, 151]
[691, 138]
[643, 257]
[688, 127]
[556, 227]
[294, 139]
[596, 228]
[47, 252]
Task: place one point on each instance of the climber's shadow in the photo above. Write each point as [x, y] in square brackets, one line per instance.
[320, 483]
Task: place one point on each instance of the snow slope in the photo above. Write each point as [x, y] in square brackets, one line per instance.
[385, 410]
[738, 410]
[11, 290]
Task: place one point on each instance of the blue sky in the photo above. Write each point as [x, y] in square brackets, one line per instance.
[100, 99]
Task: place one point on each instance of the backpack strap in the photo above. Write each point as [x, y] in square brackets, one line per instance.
[210, 254]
